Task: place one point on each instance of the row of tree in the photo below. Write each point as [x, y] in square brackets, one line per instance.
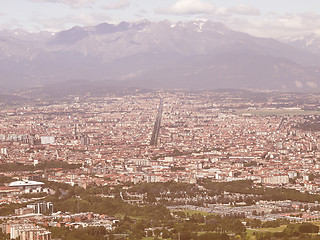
[18, 167]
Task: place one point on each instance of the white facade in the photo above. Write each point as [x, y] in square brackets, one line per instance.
[275, 179]
[47, 139]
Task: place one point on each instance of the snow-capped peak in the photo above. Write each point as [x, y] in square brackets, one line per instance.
[307, 41]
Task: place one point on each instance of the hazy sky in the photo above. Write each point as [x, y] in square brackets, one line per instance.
[259, 17]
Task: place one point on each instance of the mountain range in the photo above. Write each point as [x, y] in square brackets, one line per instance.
[195, 55]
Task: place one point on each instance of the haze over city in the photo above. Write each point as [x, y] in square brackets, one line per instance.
[172, 119]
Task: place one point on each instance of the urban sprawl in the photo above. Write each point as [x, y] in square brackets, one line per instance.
[259, 140]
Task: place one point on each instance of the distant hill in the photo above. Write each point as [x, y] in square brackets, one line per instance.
[162, 54]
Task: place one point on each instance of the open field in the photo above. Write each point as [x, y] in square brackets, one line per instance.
[251, 231]
[190, 212]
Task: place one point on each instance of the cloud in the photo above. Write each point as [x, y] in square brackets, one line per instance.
[292, 23]
[239, 10]
[71, 3]
[12, 23]
[57, 24]
[272, 24]
[188, 7]
[143, 11]
[119, 4]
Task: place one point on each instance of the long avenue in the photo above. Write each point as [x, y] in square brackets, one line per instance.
[157, 124]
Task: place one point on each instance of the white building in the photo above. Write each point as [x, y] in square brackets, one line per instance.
[275, 179]
[47, 139]
[28, 186]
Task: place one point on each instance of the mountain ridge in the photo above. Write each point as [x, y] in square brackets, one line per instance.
[195, 54]
[308, 41]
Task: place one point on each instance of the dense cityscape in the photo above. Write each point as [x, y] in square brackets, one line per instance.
[159, 120]
[147, 164]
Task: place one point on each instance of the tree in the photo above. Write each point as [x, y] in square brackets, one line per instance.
[308, 228]
[255, 223]
[157, 232]
[149, 233]
[185, 235]
[165, 233]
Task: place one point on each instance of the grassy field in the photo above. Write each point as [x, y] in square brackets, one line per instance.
[250, 235]
[276, 112]
[190, 212]
[251, 231]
